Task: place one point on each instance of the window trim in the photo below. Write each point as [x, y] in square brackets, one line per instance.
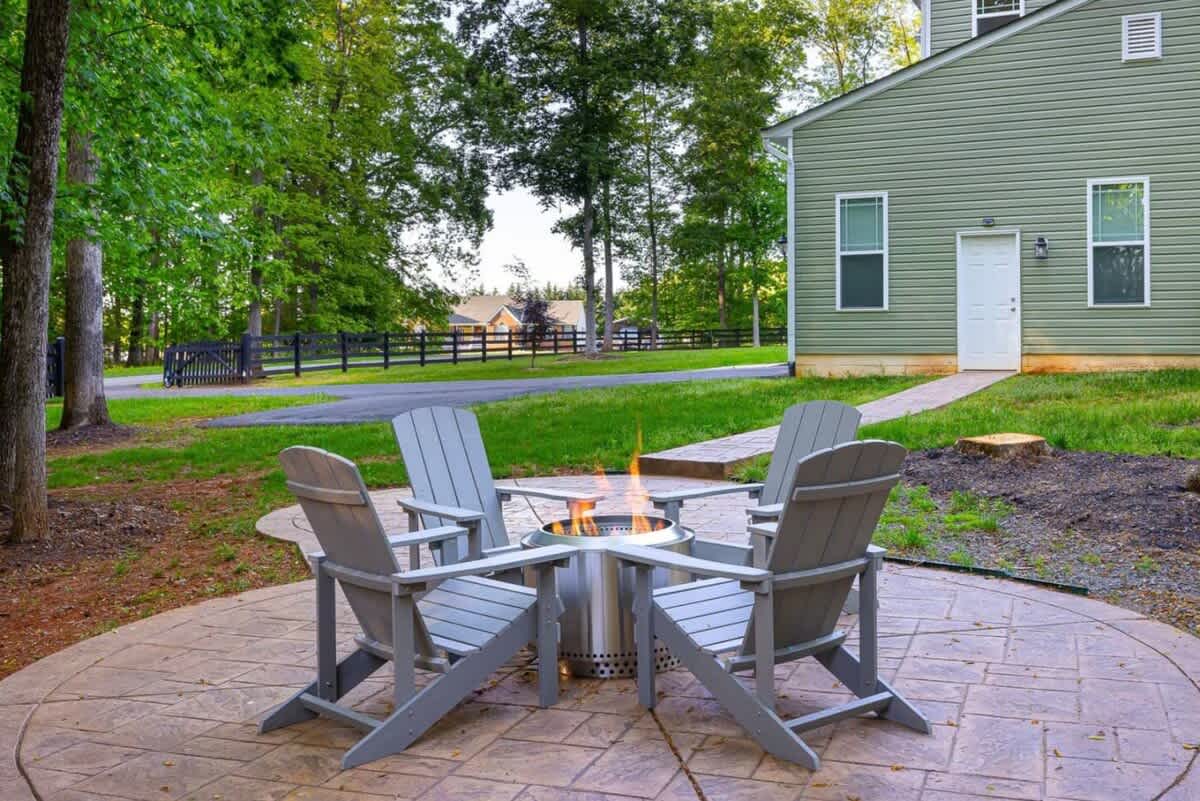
[1158, 36]
[837, 251]
[976, 16]
[1145, 242]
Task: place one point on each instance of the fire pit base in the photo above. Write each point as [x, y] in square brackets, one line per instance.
[597, 626]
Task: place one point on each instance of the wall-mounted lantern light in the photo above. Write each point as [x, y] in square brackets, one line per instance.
[781, 242]
[1041, 248]
[988, 222]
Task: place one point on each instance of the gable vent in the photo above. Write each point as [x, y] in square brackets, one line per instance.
[1141, 37]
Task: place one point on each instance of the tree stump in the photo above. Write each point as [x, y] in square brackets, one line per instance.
[1004, 445]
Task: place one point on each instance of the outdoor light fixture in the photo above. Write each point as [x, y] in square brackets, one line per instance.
[782, 243]
[1041, 248]
[988, 222]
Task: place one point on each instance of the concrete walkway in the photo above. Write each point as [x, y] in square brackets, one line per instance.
[719, 458]
[1034, 695]
[361, 403]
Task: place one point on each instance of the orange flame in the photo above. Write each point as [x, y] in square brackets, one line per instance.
[637, 495]
[557, 528]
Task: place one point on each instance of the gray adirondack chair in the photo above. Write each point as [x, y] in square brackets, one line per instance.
[449, 619]
[806, 428]
[452, 484]
[752, 618]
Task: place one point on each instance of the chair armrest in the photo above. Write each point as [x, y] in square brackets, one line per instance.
[425, 535]
[425, 578]
[551, 494]
[659, 557]
[679, 496]
[764, 530]
[765, 513]
[455, 513]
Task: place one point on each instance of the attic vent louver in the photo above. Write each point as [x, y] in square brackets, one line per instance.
[1141, 37]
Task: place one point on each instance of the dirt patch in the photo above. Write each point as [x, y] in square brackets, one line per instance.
[1103, 494]
[89, 437]
[114, 555]
[1125, 527]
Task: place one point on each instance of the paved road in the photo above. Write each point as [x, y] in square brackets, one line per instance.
[359, 403]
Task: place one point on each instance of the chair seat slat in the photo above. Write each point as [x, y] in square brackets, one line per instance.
[726, 617]
[696, 591]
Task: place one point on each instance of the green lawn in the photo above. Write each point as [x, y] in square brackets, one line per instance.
[1138, 413]
[566, 431]
[546, 366]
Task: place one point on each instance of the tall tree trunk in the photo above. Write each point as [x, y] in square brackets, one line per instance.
[254, 316]
[589, 272]
[754, 316]
[152, 354]
[653, 227]
[278, 316]
[608, 268]
[114, 330]
[26, 240]
[84, 403]
[137, 330]
[721, 269]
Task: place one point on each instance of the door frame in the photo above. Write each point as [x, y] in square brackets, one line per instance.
[972, 233]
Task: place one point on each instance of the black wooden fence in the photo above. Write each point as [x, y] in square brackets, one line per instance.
[252, 357]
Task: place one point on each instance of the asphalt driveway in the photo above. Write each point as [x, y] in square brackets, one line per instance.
[361, 403]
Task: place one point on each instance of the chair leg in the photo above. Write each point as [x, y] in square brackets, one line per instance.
[760, 722]
[848, 670]
[350, 673]
[547, 637]
[643, 634]
[408, 722]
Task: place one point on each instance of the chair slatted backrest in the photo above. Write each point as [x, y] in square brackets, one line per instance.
[447, 464]
[836, 498]
[806, 428]
[343, 518]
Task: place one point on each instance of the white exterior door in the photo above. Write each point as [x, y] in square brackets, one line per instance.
[989, 301]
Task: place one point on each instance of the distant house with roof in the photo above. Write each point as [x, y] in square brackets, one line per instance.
[501, 314]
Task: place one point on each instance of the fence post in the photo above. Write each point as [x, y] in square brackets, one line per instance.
[483, 343]
[387, 357]
[574, 340]
[454, 346]
[421, 342]
[296, 355]
[555, 341]
[510, 346]
[342, 346]
[244, 357]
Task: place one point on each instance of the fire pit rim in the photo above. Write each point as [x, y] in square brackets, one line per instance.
[669, 533]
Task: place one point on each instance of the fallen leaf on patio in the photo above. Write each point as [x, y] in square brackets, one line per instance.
[168, 763]
[1096, 737]
[1058, 753]
[1191, 747]
[897, 767]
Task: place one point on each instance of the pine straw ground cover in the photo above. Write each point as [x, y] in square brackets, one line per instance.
[160, 512]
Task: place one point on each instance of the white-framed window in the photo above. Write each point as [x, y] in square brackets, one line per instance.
[1118, 241]
[988, 15]
[1141, 37]
[862, 251]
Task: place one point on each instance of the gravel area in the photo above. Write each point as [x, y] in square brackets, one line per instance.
[1126, 527]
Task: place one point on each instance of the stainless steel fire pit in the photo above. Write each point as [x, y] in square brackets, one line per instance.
[597, 627]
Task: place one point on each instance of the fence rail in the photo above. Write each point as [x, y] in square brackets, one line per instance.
[260, 356]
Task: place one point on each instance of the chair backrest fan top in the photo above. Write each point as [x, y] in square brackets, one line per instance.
[447, 464]
[339, 509]
[806, 428]
[838, 495]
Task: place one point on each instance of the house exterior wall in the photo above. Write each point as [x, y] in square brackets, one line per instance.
[951, 21]
[1012, 131]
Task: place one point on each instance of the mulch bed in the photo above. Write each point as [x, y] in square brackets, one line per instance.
[1126, 527]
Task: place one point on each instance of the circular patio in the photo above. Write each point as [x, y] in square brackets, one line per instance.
[1034, 695]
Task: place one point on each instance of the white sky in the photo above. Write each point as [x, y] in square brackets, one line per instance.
[522, 229]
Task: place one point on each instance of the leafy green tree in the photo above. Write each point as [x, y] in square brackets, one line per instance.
[564, 68]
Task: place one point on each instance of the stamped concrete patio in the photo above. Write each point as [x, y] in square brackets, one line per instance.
[1035, 695]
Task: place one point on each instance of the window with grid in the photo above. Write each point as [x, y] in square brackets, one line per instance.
[988, 15]
[1119, 242]
[862, 251]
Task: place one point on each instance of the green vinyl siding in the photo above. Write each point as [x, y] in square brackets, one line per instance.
[952, 21]
[1013, 131]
